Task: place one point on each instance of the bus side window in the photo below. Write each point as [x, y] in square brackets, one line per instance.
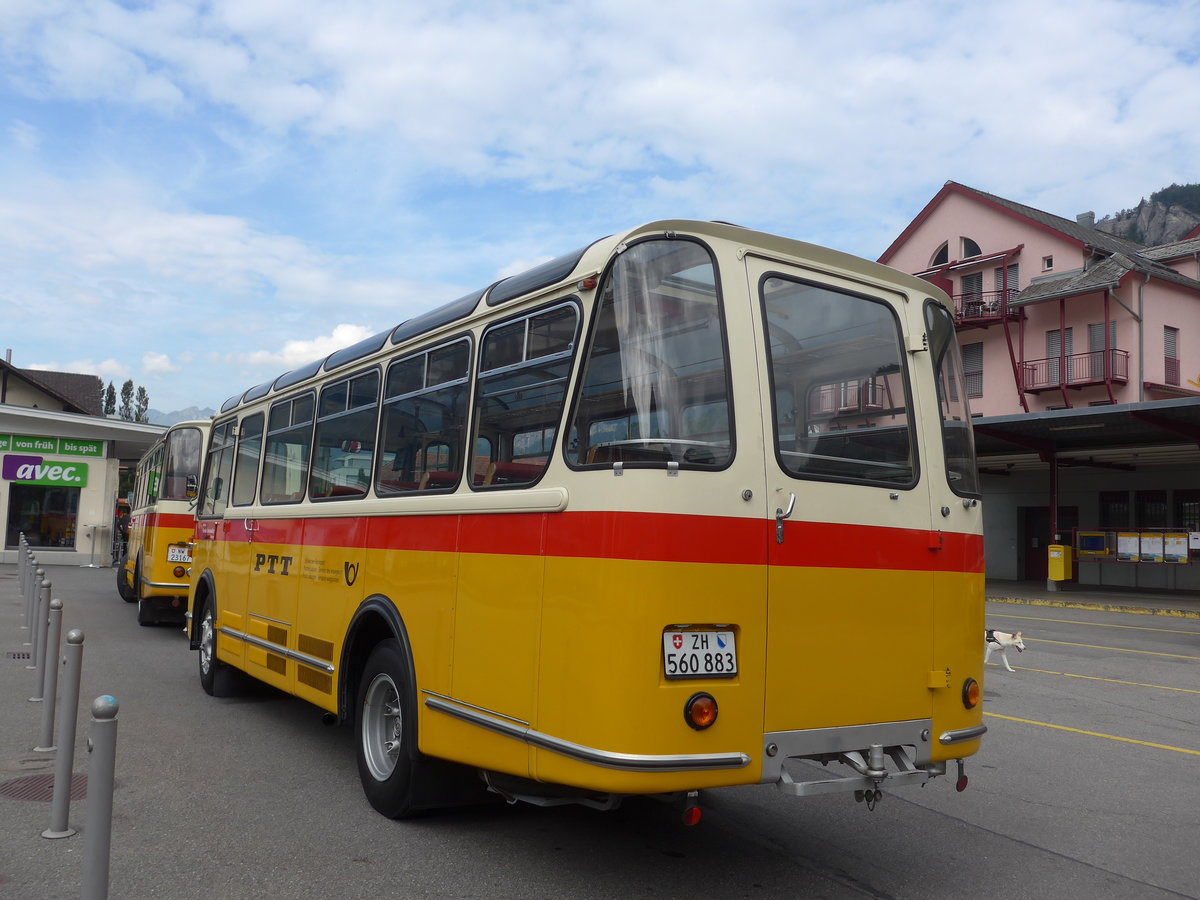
[424, 421]
[344, 446]
[522, 386]
[216, 474]
[249, 449]
[289, 442]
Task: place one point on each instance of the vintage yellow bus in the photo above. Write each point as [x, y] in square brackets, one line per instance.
[690, 507]
[154, 570]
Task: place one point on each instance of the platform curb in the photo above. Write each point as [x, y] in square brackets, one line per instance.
[1100, 607]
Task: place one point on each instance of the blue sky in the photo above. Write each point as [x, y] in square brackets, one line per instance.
[202, 195]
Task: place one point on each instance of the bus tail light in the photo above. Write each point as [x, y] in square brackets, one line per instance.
[179, 571]
[700, 711]
[971, 693]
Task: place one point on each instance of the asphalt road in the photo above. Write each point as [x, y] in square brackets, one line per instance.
[1085, 787]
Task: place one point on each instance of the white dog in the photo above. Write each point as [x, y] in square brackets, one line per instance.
[1001, 641]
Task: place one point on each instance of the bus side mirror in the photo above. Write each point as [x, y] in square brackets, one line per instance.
[192, 487]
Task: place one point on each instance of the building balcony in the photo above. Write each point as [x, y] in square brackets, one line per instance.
[984, 307]
[1078, 370]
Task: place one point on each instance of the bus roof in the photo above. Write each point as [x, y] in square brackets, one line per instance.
[586, 261]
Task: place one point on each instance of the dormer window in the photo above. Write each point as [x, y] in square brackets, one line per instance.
[969, 248]
[941, 255]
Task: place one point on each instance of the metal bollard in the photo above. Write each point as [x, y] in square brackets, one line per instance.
[102, 744]
[64, 762]
[50, 676]
[30, 596]
[39, 633]
[22, 579]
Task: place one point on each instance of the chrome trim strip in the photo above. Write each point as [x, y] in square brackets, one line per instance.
[962, 735]
[166, 585]
[311, 662]
[479, 709]
[633, 762]
[259, 618]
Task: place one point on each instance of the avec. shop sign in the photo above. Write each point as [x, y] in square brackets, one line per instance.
[36, 470]
[25, 459]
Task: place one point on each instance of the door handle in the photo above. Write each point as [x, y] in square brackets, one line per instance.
[780, 515]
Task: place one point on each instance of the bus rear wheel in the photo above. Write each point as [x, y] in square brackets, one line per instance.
[386, 726]
[123, 587]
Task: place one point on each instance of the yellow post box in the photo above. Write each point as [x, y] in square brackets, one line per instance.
[1060, 562]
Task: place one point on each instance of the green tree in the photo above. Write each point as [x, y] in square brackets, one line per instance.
[110, 400]
[142, 404]
[126, 408]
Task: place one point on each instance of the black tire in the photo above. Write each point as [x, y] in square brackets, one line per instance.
[207, 639]
[386, 728]
[123, 588]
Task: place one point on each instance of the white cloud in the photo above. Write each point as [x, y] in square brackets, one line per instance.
[157, 363]
[297, 353]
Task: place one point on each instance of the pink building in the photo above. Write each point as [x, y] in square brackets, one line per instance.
[1082, 354]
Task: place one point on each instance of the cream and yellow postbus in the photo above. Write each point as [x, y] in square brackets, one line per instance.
[154, 570]
[693, 506]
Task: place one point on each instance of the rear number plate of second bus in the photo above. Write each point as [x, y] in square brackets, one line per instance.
[699, 654]
[178, 554]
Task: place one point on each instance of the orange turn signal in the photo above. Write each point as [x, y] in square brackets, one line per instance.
[179, 570]
[700, 711]
[971, 693]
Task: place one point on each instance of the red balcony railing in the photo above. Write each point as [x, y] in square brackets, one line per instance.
[1076, 370]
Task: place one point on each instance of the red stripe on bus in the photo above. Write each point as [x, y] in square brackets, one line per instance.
[653, 537]
[170, 520]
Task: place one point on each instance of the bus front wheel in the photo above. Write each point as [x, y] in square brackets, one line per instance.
[386, 725]
[208, 650]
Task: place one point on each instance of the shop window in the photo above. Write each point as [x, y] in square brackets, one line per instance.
[46, 515]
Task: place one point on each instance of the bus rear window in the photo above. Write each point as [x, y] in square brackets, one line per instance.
[842, 408]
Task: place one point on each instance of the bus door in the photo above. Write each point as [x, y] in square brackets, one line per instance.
[849, 528]
[222, 546]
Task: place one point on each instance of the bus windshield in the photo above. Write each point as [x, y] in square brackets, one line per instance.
[655, 387]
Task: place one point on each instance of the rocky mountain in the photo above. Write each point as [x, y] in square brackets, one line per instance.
[180, 415]
[1167, 216]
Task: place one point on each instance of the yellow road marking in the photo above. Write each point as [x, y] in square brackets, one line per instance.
[1089, 624]
[1161, 687]
[1110, 737]
[1114, 649]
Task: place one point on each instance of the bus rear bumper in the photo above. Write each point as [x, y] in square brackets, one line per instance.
[869, 757]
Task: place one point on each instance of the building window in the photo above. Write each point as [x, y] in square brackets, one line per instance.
[1047, 263]
[941, 255]
[1058, 352]
[1171, 354]
[972, 355]
[969, 248]
[1114, 509]
[1187, 510]
[46, 515]
[1007, 280]
[1151, 509]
